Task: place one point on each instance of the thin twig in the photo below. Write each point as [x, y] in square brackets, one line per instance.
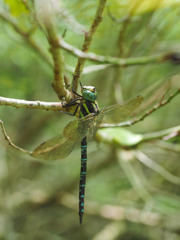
[134, 178]
[168, 146]
[156, 167]
[146, 114]
[123, 62]
[160, 134]
[9, 140]
[87, 42]
[95, 68]
[123, 30]
[26, 4]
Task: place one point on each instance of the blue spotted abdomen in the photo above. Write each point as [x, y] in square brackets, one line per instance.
[82, 177]
[86, 108]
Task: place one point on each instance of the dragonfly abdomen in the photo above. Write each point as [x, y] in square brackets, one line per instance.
[82, 177]
[86, 108]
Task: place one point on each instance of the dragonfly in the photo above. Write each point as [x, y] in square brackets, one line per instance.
[83, 128]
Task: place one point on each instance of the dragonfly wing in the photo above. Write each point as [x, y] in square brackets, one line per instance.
[93, 127]
[87, 126]
[56, 148]
[119, 112]
[61, 146]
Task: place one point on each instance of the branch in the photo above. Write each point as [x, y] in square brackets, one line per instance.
[17, 103]
[87, 42]
[57, 57]
[46, 14]
[95, 68]
[26, 36]
[10, 142]
[30, 42]
[58, 83]
[134, 177]
[156, 167]
[160, 134]
[168, 146]
[122, 62]
[146, 114]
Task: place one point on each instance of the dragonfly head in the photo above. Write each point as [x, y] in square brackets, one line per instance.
[89, 93]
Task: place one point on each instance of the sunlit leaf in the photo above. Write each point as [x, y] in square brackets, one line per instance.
[119, 136]
[149, 5]
[134, 7]
[16, 7]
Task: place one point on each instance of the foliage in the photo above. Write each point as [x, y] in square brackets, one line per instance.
[133, 174]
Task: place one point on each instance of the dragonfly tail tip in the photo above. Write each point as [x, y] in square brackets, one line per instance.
[80, 218]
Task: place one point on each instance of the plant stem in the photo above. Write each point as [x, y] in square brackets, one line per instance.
[87, 42]
[17, 103]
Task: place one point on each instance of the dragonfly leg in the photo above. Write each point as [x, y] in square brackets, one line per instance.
[72, 104]
[75, 91]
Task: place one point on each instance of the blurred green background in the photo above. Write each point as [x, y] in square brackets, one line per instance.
[125, 199]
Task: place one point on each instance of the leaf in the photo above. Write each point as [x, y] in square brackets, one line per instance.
[137, 7]
[119, 136]
[16, 7]
[150, 5]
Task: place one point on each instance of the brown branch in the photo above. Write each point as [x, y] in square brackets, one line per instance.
[10, 142]
[47, 12]
[58, 65]
[58, 83]
[88, 41]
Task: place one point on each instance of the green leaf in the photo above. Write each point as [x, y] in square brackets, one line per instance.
[138, 7]
[118, 136]
[16, 7]
[150, 5]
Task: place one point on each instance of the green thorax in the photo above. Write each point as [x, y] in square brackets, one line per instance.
[88, 103]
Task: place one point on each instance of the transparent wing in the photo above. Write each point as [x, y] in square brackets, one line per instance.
[61, 146]
[87, 126]
[119, 112]
[56, 148]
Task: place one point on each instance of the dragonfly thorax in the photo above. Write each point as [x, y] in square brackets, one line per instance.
[89, 93]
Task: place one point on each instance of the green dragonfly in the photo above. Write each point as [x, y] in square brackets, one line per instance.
[77, 131]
